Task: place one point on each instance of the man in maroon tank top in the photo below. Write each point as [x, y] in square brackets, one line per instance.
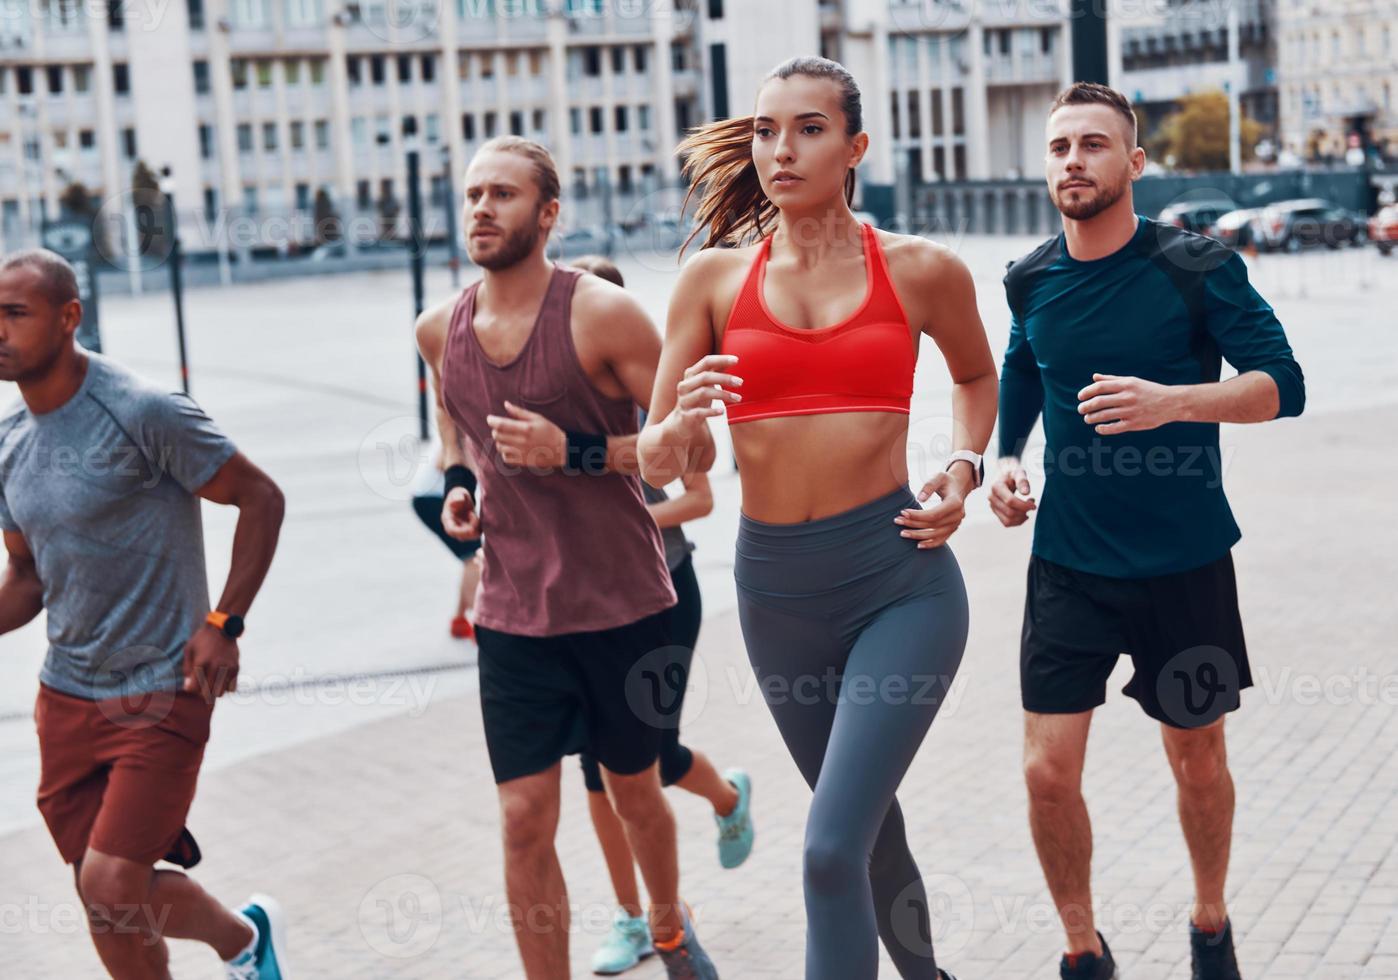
[569, 613]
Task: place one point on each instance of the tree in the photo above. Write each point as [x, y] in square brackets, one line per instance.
[326, 218]
[1195, 135]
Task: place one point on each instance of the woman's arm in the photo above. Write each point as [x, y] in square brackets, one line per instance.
[697, 501]
[688, 380]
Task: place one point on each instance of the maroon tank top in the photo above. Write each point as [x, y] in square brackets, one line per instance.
[563, 553]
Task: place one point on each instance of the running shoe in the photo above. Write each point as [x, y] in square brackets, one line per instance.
[626, 945]
[1088, 966]
[1212, 955]
[462, 629]
[735, 831]
[687, 960]
[265, 958]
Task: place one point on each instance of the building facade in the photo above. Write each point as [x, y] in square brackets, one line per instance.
[1338, 74]
[259, 106]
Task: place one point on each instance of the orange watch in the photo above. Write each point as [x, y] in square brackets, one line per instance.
[228, 624]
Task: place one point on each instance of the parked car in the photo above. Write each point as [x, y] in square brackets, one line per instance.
[1383, 228]
[1293, 225]
[1195, 215]
[1234, 228]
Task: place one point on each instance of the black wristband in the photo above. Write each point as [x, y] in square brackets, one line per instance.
[458, 475]
[587, 453]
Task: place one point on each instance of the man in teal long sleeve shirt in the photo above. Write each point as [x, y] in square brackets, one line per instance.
[1119, 329]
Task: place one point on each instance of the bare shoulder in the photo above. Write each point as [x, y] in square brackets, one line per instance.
[431, 328]
[916, 262]
[706, 270]
[603, 303]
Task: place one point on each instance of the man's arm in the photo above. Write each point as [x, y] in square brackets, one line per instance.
[459, 516]
[1269, 384]
[211, 658]
[21, 592]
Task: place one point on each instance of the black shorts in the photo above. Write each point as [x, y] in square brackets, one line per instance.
[1183, 633]
[546, 697]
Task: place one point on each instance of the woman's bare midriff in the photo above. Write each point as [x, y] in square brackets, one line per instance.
[804, 467]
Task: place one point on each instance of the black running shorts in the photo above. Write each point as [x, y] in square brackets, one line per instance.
[1182, 631]
[546, 697]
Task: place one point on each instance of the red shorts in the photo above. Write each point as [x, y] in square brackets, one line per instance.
[119, 775]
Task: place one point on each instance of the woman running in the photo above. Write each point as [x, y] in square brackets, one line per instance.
[852, 607]
[629, 940]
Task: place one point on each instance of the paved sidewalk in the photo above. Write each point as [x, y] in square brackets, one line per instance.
[382, 841]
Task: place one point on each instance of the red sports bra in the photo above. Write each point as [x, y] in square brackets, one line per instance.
[863, 364]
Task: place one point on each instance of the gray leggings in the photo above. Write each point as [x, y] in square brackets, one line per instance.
[855, 635]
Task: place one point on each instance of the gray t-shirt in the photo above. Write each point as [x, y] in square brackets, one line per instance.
[102, 488]
[677, 546]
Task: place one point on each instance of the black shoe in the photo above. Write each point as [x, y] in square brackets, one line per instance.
[1211, 953]
[1089, 966]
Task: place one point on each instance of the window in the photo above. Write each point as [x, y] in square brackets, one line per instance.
[620, 119]
[468, 127]
[302, 13]
[264, 74]
[935, 97]
[250, 199]
[82, 78]
[244, 138]
[24, 80]
[715, 9]
[434, 127]
[196, 14]
[428, 67]
[377, 69]
[116, 15]
[318, 71]
[55, 78]
[298, 135]
[303, 197]
[438, 191]
[538, 120]
[958, 156]
[592, 62]
[206, 141]
[536, 62]
[575, 121]
[210, 203]
[487, 64]
[291, 70]
[128, 143]
[408, 126]
[352, 72]
[638, 57]
[121, 79]
[87, 139]
[490, 125]
[958, 114]
[359, 131]
[405, 69]
[516, 123]
[269, 137]
[238, 68]
[618, 61]
[915, 115]
[201, 77]
[362, 198]
[512, 63]
[595, 119]
[643, 118]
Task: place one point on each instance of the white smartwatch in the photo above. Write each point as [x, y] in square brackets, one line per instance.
[976, 460]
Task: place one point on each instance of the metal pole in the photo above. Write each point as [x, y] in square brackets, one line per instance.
[449, 201]
[176, 283]
[1235, 109]
[417, 246]
[1089, 18]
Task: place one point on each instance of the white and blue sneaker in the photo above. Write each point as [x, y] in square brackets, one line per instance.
[264, 959]
[735, 831]
[626, 945]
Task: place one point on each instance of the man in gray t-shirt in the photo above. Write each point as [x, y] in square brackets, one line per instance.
[101, 476]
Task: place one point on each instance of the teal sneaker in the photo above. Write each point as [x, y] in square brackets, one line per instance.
[688, 961]
[265, 959]
[625, 946]
[735, 831]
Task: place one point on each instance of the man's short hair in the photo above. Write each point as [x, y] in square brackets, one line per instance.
[57, 278]
[1091, 93]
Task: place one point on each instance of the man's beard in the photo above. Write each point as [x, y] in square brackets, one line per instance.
[514, 247]
[1083, 210]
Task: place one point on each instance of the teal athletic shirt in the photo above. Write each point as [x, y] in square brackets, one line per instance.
[1166, 307]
